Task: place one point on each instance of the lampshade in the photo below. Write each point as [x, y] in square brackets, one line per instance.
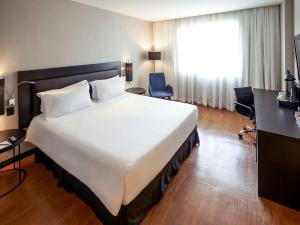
[154, 55]
[128, 71]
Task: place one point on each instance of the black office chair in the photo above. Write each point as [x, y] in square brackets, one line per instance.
[245, 107]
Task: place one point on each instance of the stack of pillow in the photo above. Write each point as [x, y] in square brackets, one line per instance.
[59, 102]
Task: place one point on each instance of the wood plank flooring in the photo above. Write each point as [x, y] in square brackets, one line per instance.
[216, 185]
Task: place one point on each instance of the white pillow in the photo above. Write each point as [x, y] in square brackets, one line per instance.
[107, 89]
[42, 107]
[63, 101]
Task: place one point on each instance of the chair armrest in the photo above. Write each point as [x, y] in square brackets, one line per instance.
[169, 88]
[244, 106]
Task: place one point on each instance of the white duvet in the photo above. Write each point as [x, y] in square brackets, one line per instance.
[118, 147]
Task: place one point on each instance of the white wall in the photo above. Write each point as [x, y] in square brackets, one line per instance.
[287, 36]
[297, 16]
[296, 20]
[50, 33]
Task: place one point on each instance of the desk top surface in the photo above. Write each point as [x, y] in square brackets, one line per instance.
[272, 118]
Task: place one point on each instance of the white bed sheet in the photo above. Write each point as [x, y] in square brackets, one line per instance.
[117, 147]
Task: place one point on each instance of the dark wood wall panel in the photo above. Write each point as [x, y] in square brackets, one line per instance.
[52, 78]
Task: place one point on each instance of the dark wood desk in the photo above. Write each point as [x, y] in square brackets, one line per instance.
[278, 145]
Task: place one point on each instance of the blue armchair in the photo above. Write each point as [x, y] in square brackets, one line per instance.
[158, 87]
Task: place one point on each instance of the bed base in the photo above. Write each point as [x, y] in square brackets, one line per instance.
[135, 211]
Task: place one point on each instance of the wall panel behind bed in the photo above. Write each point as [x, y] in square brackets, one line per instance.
[54, 78]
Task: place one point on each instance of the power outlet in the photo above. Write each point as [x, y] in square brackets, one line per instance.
[11, 102]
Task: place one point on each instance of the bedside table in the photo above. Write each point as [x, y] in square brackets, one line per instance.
[19, 138]
[136, 90]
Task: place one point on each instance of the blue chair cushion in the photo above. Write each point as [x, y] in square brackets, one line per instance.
[161, 94]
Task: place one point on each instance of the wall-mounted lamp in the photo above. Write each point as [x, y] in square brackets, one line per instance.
[10, 110]
[2, 82]
[128, 71]
[154, 56]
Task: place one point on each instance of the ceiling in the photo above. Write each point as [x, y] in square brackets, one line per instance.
[156, 10]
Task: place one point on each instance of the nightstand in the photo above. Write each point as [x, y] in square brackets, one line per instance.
[136, 90]
[19, 136]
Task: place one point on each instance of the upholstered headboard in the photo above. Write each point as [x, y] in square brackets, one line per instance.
[47, 79]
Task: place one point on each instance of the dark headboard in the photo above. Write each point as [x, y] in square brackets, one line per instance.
[47, 79]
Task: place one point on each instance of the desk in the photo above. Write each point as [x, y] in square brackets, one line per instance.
[278, 146]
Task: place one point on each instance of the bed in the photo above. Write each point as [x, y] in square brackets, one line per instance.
[118, 156]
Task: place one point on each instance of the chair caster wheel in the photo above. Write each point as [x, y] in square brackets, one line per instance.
[240, 136]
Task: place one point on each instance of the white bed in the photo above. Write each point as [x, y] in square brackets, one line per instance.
[116, 148]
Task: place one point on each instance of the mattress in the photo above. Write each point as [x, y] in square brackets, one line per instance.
[116, 148]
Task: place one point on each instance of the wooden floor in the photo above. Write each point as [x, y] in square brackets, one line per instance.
[217, 185]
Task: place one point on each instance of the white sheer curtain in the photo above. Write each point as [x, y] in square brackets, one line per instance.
[205, 57]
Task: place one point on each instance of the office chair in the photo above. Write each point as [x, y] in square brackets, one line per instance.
[245, 107]
[158, 87]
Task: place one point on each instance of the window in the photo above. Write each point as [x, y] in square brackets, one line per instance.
[210, 49]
